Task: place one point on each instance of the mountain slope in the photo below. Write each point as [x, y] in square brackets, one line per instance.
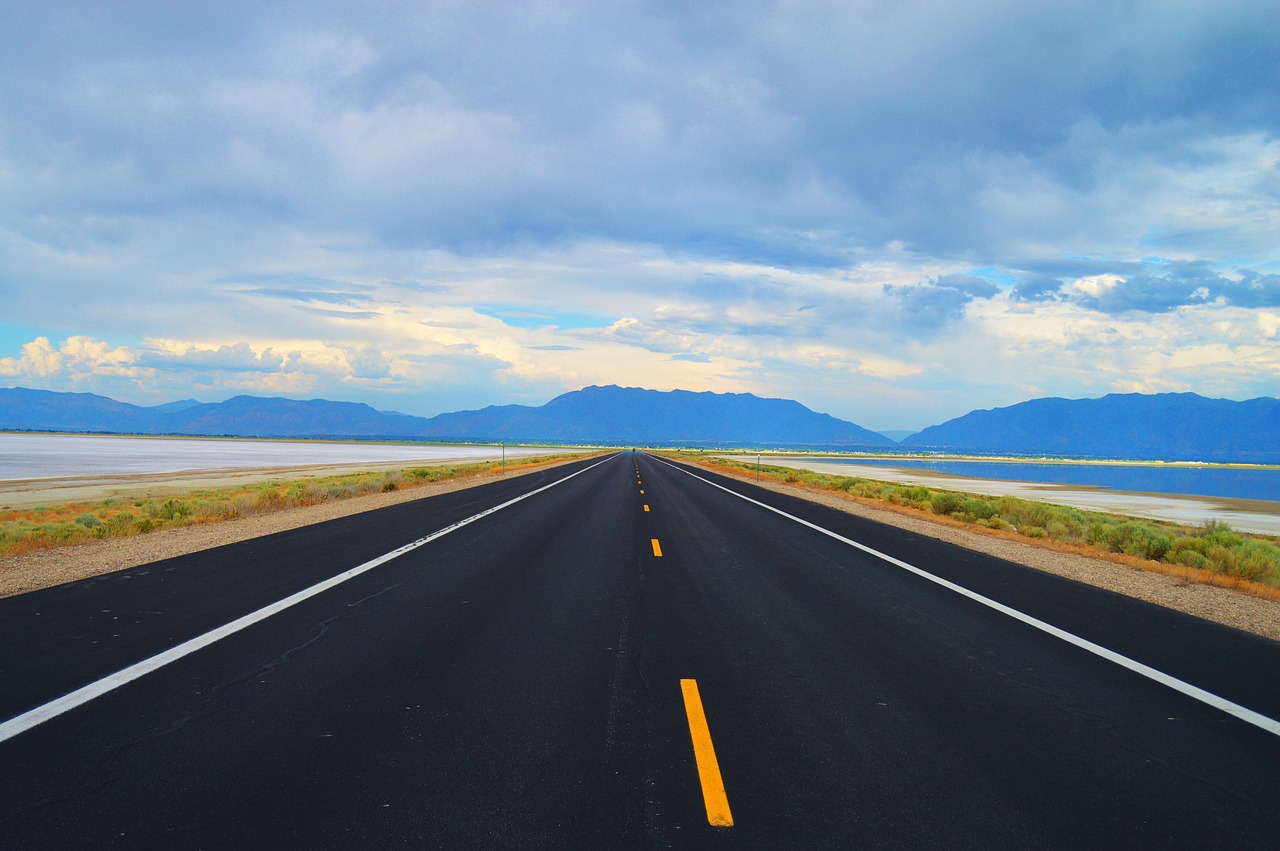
[45, 410]
[592, 415]
[1168, 426]
[275, 417]
[633, 415]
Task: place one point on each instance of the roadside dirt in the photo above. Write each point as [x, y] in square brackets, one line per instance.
[1221, 605]
[45, 568]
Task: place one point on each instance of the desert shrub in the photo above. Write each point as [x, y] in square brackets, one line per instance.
[946, 502]
[917, 496]
[1027, 513]
[214, 509]
[269, 499]
[387, 487]
[58, 532]
[88, 521]
[869, 489]
[1258, 561]
[1133, 538]
[979, 509]
[1215, 533]
[1033, 531]
[115, 526]
[169, 510]
[245, 505]
[1190, 558]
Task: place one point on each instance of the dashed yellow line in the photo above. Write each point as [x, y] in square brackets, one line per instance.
[657, 548]
[713, 794]
[646, 508]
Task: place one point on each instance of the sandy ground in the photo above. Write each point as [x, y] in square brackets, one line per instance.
[31, 571]
[29, 493]
[19, 574]
[1246, 515]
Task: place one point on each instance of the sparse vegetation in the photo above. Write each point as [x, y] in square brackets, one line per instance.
[47, 527]
[1210, 553]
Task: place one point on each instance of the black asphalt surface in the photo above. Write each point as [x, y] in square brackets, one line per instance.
[516, 683]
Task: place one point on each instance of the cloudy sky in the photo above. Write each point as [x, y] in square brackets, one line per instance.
[894, 212]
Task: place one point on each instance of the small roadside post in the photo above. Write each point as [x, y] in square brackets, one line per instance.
[757, 466]
[504, 459]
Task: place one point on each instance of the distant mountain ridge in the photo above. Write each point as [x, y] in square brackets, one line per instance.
[1162, 426]
[1166, 426]
[609, 415]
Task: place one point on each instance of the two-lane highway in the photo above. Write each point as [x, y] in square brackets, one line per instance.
[563, 670]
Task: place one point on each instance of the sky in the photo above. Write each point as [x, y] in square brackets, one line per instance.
[893, 212]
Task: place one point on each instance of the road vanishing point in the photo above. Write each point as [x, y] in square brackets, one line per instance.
[624, 652]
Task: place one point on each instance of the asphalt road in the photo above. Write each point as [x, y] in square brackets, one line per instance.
[524, 681]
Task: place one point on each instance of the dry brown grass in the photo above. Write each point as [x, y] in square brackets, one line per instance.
[29, 530]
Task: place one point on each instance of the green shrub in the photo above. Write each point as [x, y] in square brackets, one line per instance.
[870, 490]
[269, 499]
[172, 509]
[979, 509]
[1191, 558]
[1213, 546]
[88, 521]
[215, 509]
[1133, 538]
[1258, 561]
[115, 526]
[946, 502]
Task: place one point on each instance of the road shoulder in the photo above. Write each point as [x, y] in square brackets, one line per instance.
[1220, 605]
[46, 568]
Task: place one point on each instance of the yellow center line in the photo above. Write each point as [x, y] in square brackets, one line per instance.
[713, 796]
[657, 548]
[641, 490]
[646, 508]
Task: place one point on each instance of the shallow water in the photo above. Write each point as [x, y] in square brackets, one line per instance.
[1260, 516]
[1231, 482]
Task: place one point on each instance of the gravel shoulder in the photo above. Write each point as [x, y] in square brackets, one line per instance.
[31, 571]
[1221, 605]
[45, 568]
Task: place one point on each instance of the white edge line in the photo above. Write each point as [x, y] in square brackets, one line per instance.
[1242, 713]
[32, 717]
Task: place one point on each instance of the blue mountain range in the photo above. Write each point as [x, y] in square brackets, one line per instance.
[604, 415]
[1162, 426]
[1165, 426]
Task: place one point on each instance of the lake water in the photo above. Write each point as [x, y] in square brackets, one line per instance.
[1187, 495]
[1235, 482]
[43, 456]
